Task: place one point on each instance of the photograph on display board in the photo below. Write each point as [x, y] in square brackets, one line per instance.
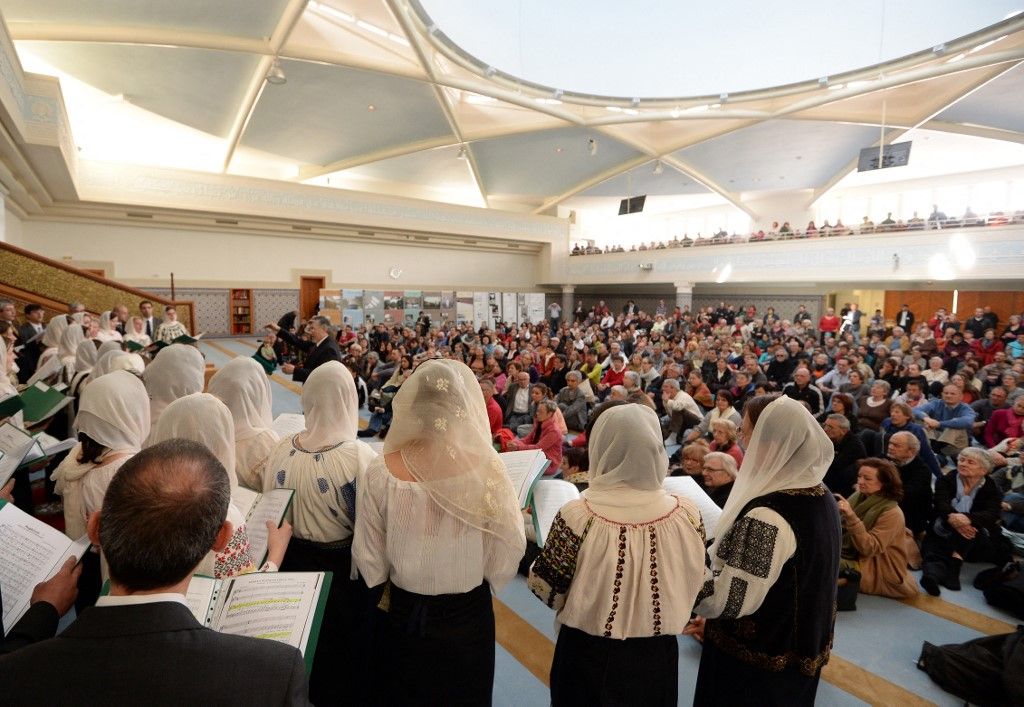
[330, 299]
[508, 307]
[523, 312]
[447, 299]
[394, 299]
[373, 306]
[333, 315]
[353, 318]
[413, 300]
[464, 307]
[351, 299]
[432, 300]
[494, 304]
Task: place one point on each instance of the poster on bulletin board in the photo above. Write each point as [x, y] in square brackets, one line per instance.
[464, 307]
[413, 305]
[330, 305]
[394, 306]
[373, 306]
[480, 313]
[448, 305]
[508, 307]
[535, 306]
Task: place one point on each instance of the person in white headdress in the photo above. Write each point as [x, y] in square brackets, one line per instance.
[51, 339]
[116, 361]
[243, 386]
[135, 331]
[622, 567]
[107, 330]
[202, 418]
[112, 422]
[176, 372]
[67, 350]
[438, 526]
[324, 464]
[768, 611]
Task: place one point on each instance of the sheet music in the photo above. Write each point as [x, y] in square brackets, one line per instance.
[549, 495]
[288, 423]
[30, 552]
[274, 605]
[270, 506]
[523, 468]
[199, 597]
[687, 488]
[15, 445]
[244, 499]
[50, 445]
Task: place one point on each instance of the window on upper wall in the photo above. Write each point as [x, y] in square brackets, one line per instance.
[989, 196]
[919, 200]
[954, 200]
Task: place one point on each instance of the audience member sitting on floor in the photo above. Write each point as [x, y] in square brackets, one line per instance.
[966, 526]
[546, 435]
[874, 553]
[718, 471]
[849, 450]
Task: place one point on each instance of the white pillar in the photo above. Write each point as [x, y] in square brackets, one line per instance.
[568, 302]
[684, 295]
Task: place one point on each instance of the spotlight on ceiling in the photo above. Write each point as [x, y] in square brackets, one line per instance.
[939, 49]
[462, 153]
[823, 81]
[592, 145]
[275, 74]
[658, 167]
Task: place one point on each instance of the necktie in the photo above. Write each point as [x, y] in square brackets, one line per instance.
[149, 327]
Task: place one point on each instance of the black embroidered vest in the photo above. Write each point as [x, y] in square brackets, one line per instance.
[792, 629]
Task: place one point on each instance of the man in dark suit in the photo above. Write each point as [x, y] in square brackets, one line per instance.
[905, 318]
[163, 512]
[849, 450]
[28, 357]
[49, 601]
[320, 347]
[150, 322]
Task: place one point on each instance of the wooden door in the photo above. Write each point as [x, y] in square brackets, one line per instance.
[309, 294]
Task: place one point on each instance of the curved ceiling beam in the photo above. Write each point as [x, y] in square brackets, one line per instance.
[157, 36]
[975, 130]
[292, 12]
[698, 176]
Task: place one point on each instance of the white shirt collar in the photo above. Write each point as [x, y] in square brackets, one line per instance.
[135, 599]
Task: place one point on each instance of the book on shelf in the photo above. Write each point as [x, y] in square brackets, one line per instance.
[30, 552]
[524, 468]
[258, 508]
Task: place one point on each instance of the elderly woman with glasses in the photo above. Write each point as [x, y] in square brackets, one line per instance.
[719, 474]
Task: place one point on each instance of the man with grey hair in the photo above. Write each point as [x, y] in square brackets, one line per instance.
[681, 408]
[320, 347]
[572, 401]
[162, 513]
[904, 449]
[849, 450]
[618, 392]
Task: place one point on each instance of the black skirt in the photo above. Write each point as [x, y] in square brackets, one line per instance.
[339, 665]
[592, 670]
[434, 650]
[725, 680]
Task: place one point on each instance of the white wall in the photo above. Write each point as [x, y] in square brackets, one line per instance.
[10, 227]
[145, 256]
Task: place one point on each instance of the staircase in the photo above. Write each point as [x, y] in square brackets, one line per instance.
[28, 278]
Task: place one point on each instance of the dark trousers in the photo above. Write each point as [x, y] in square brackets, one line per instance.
[725, 680]
[592, 670]
[434, 650]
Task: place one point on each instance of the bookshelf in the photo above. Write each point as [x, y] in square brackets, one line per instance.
[240, 311]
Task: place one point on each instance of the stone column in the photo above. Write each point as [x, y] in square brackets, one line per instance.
[568, 302]
[684, 295]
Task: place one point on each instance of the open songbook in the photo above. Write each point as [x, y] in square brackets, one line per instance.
[18, 448]
[183, 339]
[288, 423]
[30, 552]
[258, 508]
[52, 367]
[282, 606]
[549, 495]
[42, 402]
[524, 468]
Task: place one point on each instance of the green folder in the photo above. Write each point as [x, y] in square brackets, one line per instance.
[318, 620]
[11, 406]
[42, 403]
[134, 346]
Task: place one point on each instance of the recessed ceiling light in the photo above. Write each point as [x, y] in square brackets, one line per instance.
[799, 157]
[371, 107]
[558, 150]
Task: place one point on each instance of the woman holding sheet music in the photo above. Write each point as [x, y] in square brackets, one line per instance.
[324, 464]
[622, 567]
[112, 422]
[438, 525]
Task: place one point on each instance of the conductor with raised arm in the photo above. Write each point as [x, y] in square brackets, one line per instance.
[319, 348]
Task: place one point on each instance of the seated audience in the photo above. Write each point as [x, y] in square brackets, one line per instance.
[874, 546]
[546, 435]
[947, 421]
[163, 512]
[849, 450]
[904, 451]
[874, 408]
[1005, 423]
[724, 436]
[572, 401]
[718, 472]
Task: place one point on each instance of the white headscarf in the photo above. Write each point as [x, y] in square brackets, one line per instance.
[117, 361]
[69, 341]
[244, 387]
[201, 418]
[331, 406]
[440, 428]
[54, 331]
[176, 372]
[107, 346]
[788, 450]
[86, 356]
[106, 331]
[114, 412]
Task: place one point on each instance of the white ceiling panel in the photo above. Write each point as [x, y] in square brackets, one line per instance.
[323, 115]
[999, 104]
[241, 18]
[548, 162]
[779, 154]
[643, 180]
[196, 87]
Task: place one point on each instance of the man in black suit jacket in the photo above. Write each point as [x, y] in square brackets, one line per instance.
[163, 511]
[842, 472]
[28, 357]
[319, 348]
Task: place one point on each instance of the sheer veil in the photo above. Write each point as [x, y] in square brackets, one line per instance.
[788, 450]
[441, 429]
[331, 406]
[244, 387]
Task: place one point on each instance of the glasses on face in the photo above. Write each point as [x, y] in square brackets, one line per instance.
[712, 468]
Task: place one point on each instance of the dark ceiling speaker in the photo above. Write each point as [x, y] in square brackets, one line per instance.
[632, 206]
[895, 155]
